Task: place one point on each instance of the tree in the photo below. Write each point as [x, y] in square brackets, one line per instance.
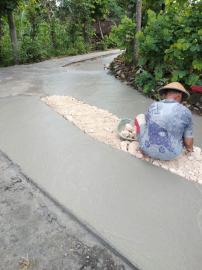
[128, 7]
[79, 13]
[33, 13]
[6, 9]
[138, 18]
[99, 12]
[49, 13]
[1, 36]
[156, 6]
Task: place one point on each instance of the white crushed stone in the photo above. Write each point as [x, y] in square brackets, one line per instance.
[101, 125]
[128, 132]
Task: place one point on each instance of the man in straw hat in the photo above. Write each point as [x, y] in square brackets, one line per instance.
[167, 126]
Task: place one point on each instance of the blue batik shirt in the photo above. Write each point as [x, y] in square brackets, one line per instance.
[167, 123]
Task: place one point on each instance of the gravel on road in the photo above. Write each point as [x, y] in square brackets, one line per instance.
[101, 125]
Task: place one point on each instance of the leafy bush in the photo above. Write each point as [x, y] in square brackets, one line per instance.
[32, 50]
[106, 43]
[78, 47]
[145, 81]
[183, 56]
[35, 49]
[170, 46]
[6, 55]
[123, 35]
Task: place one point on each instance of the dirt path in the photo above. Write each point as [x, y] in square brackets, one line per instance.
[101, 125]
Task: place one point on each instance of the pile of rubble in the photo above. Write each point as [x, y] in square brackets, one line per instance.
[101, 125]
[128, 133]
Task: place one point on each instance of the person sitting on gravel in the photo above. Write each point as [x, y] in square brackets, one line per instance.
[167, 126]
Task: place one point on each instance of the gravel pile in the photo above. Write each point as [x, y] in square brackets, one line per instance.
[101, 125]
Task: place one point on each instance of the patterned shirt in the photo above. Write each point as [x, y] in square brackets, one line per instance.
[167, 123]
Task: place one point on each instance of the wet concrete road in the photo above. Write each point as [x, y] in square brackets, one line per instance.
[47, 237]
[152, 217]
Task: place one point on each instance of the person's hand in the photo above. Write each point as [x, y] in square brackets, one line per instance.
[189, 150]
[188, 143]
[194, 154]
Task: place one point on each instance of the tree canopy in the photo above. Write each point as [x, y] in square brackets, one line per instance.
[7, 6]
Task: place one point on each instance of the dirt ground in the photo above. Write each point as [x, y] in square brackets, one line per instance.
[36, 234]
[101, 125]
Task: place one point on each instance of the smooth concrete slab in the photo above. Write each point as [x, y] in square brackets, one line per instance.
[87, 81]
[97, 87]
[152, 217]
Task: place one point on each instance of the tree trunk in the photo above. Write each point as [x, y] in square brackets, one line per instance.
[1, 36]
[85, 33]
[51, 22]
[52, 32]
[53, 35]
[138, 28]
[13, 37]
[100, 27]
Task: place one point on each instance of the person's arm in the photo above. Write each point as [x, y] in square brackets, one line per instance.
[141, 119]
[188, 134]
[188, 143]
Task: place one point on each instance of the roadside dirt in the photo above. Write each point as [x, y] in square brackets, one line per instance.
[101, 125]
[36, 234]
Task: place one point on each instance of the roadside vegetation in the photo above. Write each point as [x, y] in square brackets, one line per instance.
[34, 30]
[162, 39]
[169, 45]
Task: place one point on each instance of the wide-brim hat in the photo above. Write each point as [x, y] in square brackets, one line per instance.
[175, 86]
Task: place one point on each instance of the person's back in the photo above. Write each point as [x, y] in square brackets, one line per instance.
[167, 124]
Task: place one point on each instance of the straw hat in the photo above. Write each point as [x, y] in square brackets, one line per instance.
[175, 86]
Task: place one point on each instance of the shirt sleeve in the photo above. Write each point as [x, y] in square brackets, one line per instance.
[188, 132]
[153, 109]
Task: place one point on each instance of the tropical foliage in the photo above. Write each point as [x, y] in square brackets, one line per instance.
[169, 43]
[45, 28]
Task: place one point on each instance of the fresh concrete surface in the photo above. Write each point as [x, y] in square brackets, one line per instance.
[34, 228]
[87, 81]
[152, 217]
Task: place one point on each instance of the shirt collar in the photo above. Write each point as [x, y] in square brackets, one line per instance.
[170, 100]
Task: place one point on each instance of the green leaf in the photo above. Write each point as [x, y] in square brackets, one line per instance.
[192, 79]
[197, 64]
[178, 74]
[182, 73]
[158, 73]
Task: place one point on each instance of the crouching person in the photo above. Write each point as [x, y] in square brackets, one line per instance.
[167, 126]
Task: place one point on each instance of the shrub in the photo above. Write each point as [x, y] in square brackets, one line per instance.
[123, 35]
[184, 56]
[170, 49]
[6, 55]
